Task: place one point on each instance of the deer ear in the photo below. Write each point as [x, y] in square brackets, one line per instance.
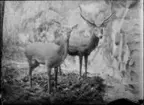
[102, 30]
[75, 26]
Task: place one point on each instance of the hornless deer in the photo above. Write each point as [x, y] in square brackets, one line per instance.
[49, 54]
[57, 35]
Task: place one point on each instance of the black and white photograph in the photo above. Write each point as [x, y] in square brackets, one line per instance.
[72, 52]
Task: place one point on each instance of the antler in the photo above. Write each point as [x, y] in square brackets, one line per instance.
[93, 23]
[106, 20]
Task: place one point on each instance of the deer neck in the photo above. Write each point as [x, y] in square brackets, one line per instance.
[93, 41]
[63, 47]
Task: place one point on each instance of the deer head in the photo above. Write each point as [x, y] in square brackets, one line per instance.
[97, 30]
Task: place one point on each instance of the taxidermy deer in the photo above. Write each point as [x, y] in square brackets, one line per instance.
[49, 54]
[80, 45]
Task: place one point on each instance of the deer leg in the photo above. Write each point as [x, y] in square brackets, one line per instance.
[80, 62]
[60, 72]
[32, 64]
[30, 76]
[56, 72]
[49, 78]
[86, 60]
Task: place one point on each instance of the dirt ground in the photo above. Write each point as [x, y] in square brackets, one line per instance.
[70, 89]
